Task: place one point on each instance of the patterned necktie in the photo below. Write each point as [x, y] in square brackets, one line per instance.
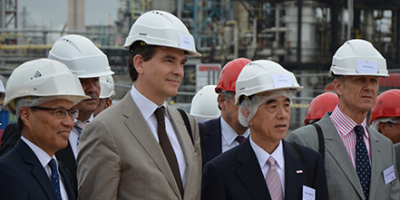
[55, 178]
[240, 139]
[167, 147]
[79, 127]
[273, 181]
[363, 165]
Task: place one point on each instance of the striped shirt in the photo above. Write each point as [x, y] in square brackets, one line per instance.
[345, 126]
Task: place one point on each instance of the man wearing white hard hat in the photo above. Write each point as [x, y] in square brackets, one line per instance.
[265, 166]
[41, 94]
[360, 162]
[140, 148]
[88, 63]
[106, 93]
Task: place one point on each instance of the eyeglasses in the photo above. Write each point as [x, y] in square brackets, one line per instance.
[60, 112]
[393, 122]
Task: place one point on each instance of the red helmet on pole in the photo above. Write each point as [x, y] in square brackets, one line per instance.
[386, 105]
[325, 102]
[229, 74]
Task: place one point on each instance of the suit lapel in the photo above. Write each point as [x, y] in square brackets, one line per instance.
[376, 157]
[292, 165]
[335, 147]
[67, 184]
[251, 174]
[141, 131]
[36, 168]
[212, 142]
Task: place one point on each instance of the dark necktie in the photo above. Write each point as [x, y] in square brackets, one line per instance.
[363, 165]
[240, 139]
[55, 179]
[167, 147]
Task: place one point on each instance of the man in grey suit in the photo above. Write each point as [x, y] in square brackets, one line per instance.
[359, 161]
[135, 150]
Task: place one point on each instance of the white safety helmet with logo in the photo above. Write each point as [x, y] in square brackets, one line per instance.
[262, 76]
[161, 28]
[358, 58]
[81, 56]
[205, 104]
[45, 78]
[107, 87]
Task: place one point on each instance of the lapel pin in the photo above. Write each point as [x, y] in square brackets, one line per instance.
[299, 171]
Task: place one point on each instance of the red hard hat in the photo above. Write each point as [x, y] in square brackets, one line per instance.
[386, 105]
[325, 102]
[229, 74]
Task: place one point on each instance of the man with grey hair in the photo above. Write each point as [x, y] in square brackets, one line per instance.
[360, 162]
[385, 115]
[385, 118]
[265, 166]
[225, 132]
[41, 94]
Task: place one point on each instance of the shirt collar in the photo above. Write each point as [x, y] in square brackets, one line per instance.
[87, 121]
[345, 123]
[262, 155]
[228, 134]
[43, 157]
[147, 107]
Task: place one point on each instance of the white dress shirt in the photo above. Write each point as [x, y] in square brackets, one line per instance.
[44, 159]
[229, 135]
[147, 108]
[262, 157]
[73, 138]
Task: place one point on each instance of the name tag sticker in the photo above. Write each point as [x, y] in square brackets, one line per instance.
[308, 193]
[185, 42]
[281, 81]
[389, 175]
[365, 66]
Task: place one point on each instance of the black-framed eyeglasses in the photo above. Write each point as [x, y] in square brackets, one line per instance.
[393, 122]
[60, 112]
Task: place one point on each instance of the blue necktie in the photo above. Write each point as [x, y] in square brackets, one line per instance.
[363, 165]
[55, 180]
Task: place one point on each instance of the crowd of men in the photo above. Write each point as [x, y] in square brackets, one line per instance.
[70, 143]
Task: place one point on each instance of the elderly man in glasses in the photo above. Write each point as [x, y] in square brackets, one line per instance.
[41, 94]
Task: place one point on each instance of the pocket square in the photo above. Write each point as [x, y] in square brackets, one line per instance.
[299, 171]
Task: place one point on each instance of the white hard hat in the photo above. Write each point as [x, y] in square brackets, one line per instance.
[162, 29]
[261, 76]
[358, 57]
[81, 56]
[205, 104]
[42, 78]
[106, 87]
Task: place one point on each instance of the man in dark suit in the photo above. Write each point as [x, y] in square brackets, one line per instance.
[41, 94]
[226, 131]
[265, 166]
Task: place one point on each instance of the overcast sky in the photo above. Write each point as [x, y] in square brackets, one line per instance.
[53, 13]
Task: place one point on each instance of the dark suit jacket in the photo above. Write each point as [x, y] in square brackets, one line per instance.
[212, 140]
[22, 176]
[236, 174]
[11, 136]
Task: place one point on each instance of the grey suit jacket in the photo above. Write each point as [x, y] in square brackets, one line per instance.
[397, 151]
[119, 158]
[342, 178]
